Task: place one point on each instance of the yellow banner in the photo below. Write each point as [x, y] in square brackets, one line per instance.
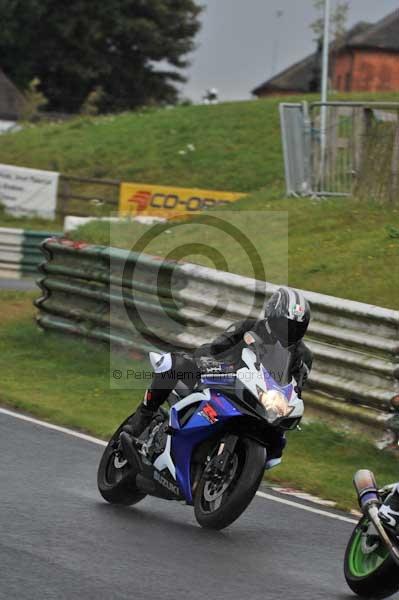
[163, 201]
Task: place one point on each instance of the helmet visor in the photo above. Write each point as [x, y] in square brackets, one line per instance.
[287, 331]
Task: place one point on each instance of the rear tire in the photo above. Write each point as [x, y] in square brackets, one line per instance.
[248, 473]
[369, 575]
[116, 479]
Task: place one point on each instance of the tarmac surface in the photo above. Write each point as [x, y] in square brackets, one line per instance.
[60, 540]
[22, 285]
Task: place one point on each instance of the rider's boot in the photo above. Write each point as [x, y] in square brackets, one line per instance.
[142, 417]
[274, 457]
[389, 511]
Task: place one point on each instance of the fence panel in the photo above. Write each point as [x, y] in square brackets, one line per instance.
[295, 130]
[359, 151]
[87, 197]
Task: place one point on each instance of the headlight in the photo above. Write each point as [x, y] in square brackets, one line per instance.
[275, 404]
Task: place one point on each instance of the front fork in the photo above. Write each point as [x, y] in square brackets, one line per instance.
[218, 467]
[369, 501]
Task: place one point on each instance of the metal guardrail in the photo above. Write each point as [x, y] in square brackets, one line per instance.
[88, 291]
[20, 252]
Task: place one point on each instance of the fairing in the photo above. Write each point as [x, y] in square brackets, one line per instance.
[197, 429]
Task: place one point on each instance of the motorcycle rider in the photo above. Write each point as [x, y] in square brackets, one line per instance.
[286, 319]
[389, 511]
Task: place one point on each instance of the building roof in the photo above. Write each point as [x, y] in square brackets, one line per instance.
[298, 77]
[384, 35]
[11, 99]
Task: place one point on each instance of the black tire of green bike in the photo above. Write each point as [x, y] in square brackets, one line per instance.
[252, 458]
[123, 491]
[382, 583]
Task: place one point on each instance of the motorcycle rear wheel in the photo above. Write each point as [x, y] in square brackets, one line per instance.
[116, 479]
[216, 508]
[370, 574]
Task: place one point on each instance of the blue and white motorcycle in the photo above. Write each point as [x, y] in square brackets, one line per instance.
[210, 449]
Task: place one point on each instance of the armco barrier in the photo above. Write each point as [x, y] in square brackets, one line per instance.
[20, 252]
[356, 346]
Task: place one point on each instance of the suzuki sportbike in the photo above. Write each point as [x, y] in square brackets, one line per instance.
[209, 449]
[372, 556]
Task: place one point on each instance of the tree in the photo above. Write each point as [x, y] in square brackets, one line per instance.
[34, 101]
[130, 49]
[339, 19]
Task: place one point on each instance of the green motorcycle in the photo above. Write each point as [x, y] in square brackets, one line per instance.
[371, 562]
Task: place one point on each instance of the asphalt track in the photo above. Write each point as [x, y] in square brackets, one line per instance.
[22, 285]
[60, 540]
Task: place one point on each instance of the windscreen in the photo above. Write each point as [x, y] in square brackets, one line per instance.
[277, 360]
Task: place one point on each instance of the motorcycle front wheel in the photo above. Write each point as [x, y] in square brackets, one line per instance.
[220, 501]
[116, 479]
[369, 569]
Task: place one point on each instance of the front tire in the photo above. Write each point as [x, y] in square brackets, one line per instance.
[116, 479]
[369, 569]
[217, 507]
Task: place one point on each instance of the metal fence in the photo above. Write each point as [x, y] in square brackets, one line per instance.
[356, 346]
[295, 127]
[87, 196]
[358, 153]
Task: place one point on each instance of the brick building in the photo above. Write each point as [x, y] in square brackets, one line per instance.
[365, 60]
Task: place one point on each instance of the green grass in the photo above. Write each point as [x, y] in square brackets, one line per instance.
[51, 377]
[343, 247]
[323, 461]
[237, 146]
[32, 223]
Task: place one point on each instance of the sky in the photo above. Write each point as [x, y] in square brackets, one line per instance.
[243, 42]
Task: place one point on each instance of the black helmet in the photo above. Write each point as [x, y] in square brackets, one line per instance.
[287, 315]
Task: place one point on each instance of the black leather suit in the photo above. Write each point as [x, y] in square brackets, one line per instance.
[226, 348]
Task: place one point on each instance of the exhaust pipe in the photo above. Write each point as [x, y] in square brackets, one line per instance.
[366, 487]
[369, 501]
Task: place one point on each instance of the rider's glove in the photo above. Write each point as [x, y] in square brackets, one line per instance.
[302, 377]
[304, 373]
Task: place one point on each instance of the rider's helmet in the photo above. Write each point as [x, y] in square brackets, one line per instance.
[287, 315]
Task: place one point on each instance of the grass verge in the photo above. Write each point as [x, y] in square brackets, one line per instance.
[30, 223]
[50, 376]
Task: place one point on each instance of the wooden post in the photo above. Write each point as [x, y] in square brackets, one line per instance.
[62, 197]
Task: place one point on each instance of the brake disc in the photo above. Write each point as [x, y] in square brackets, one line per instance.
[370, 540]
[118, 462]
[214, 489]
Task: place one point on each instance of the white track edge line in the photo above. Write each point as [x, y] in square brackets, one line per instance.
[316, 511]
[77, 434]
[93, 440]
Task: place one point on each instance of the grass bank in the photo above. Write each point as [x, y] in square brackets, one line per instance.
[50, 376]
[233, 146]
